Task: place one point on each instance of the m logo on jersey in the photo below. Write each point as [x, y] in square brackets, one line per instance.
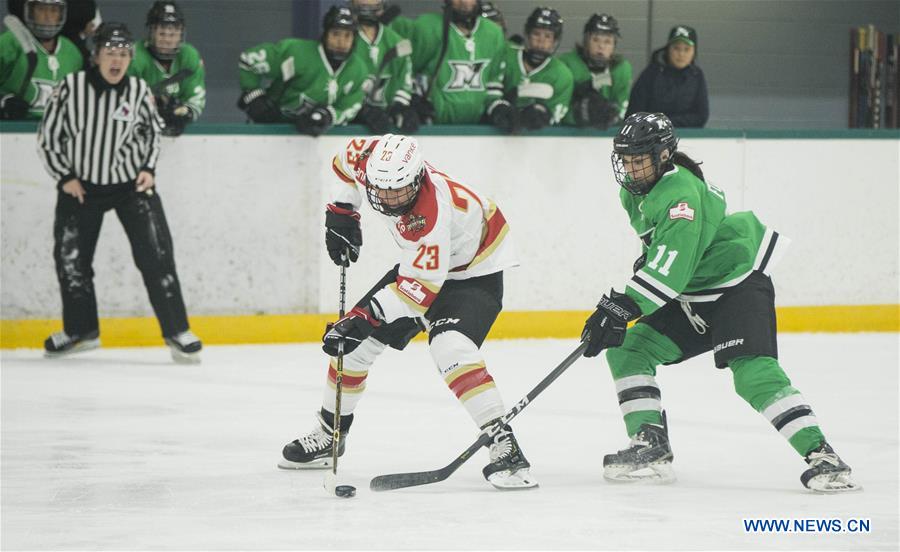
[681, 211]
[467, 75]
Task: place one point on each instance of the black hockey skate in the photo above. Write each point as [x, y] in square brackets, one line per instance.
[62, 344]
[827, 473]
[508, 470]
[649, 458]
[185, 347]
[313, 450]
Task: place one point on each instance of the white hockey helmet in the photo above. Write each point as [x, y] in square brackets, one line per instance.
[394, 173]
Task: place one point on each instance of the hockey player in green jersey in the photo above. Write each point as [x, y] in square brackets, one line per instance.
[388, 62]
[313, 84]
[602, 77]
[701, 285]
[165, 54]
[535, 83]
[458, 56]
[25, 89]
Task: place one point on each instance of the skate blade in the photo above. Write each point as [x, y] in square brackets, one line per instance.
[88, 345]
[659, 474]
[320, 464]
[515, 481]
[825, 484]
[185, 358]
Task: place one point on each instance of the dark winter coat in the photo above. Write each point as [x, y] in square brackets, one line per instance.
[679, 93]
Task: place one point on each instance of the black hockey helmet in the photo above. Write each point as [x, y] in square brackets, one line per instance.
[338, 17]
[602, 23]
[164, 13]
[113, 35]
[465, 18]
[492, 12]
[369, 14]
[643, 133]
[542, 18]
[44, 31]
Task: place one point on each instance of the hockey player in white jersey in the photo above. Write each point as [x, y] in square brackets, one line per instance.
[454, 247]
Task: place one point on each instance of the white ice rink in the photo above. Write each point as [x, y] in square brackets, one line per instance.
[121, 449]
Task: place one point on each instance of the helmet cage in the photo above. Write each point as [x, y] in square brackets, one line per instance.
[338, 17]
[368, 13]
[402, 199]
[542, 18]
[164, 14]
[42, 31]
[649, 138]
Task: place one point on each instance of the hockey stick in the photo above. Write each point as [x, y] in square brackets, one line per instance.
[401, 480]
[330, 483]
[23, 36]
[159, 87]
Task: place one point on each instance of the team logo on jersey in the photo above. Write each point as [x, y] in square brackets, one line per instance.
[411, 223]
[467, 75]
[124, 113]
[681, 211]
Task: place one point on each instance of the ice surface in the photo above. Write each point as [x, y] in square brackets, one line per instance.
[122, 449]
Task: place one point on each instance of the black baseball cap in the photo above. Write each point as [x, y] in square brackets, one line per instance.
[685, 34]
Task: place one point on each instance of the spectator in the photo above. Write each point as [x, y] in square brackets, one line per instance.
[458, 59]
[602, 77]
[82, 20]
[165, 56]
[537, 84]
[387, 59]
[313, 84]
[672, 83]
[24, 95]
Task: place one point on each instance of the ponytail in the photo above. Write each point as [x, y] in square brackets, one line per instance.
[682, 159]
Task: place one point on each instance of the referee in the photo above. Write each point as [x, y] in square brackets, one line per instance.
[99, 140]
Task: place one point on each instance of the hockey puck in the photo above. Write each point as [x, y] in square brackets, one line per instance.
[345, 491]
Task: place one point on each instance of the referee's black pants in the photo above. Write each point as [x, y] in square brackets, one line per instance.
[75, 233]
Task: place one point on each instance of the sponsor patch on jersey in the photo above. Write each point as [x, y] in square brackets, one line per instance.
[413, 290]
[412, 223]
[124, 113]
[681, 211]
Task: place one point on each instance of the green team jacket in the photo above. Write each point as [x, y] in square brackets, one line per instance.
[550, 84]
[470, 75]
[190, 92]
[394, 83]
[613, 83]
[301, 76]
[51, 68]
[695, 250]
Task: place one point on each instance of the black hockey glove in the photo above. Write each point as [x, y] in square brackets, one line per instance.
[504, 116]
[405, 118]
[314, 121]
[375, 118]
[352, 329]
[606, 327]
[639, 263]
[259, 107]
[342, 233]
[176, 115]
[593, 110]
[13, 107]
[535, 116]
[423, 108]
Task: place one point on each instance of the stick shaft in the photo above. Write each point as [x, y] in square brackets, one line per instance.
[339, 376]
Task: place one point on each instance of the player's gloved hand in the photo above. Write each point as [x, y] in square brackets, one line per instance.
[639, 263]
[375, 118]
[176, 115]
[353, 329]
[534, 116]
[423, 108]
[314, 121]
[13, 107]
[606, 327]
[259, 107]
[405, 117]
[504, 116]
[603, 113]
[342, 233]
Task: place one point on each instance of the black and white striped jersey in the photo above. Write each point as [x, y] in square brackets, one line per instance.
[99, 133]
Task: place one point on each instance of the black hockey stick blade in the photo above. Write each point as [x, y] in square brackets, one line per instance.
[413, 479]
[160, 87]
[24, 37]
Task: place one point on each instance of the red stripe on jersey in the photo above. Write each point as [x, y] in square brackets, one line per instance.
[346, 381]
[335, 166]
[494, 227]
[470, 380]
[416, 291]
[420, 220]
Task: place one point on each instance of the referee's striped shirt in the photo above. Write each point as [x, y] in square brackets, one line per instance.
[99, 133]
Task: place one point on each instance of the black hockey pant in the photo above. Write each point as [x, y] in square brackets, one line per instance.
[75, 233]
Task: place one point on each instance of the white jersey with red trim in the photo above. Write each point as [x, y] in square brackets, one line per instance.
[451, 233]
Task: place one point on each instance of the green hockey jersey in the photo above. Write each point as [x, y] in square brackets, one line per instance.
[300, 77]
[403, 26]
[613, 83]
[695, 250]
[549, 84]
[51, 68]
[471, 71]
[394, 82]
[190, 92]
